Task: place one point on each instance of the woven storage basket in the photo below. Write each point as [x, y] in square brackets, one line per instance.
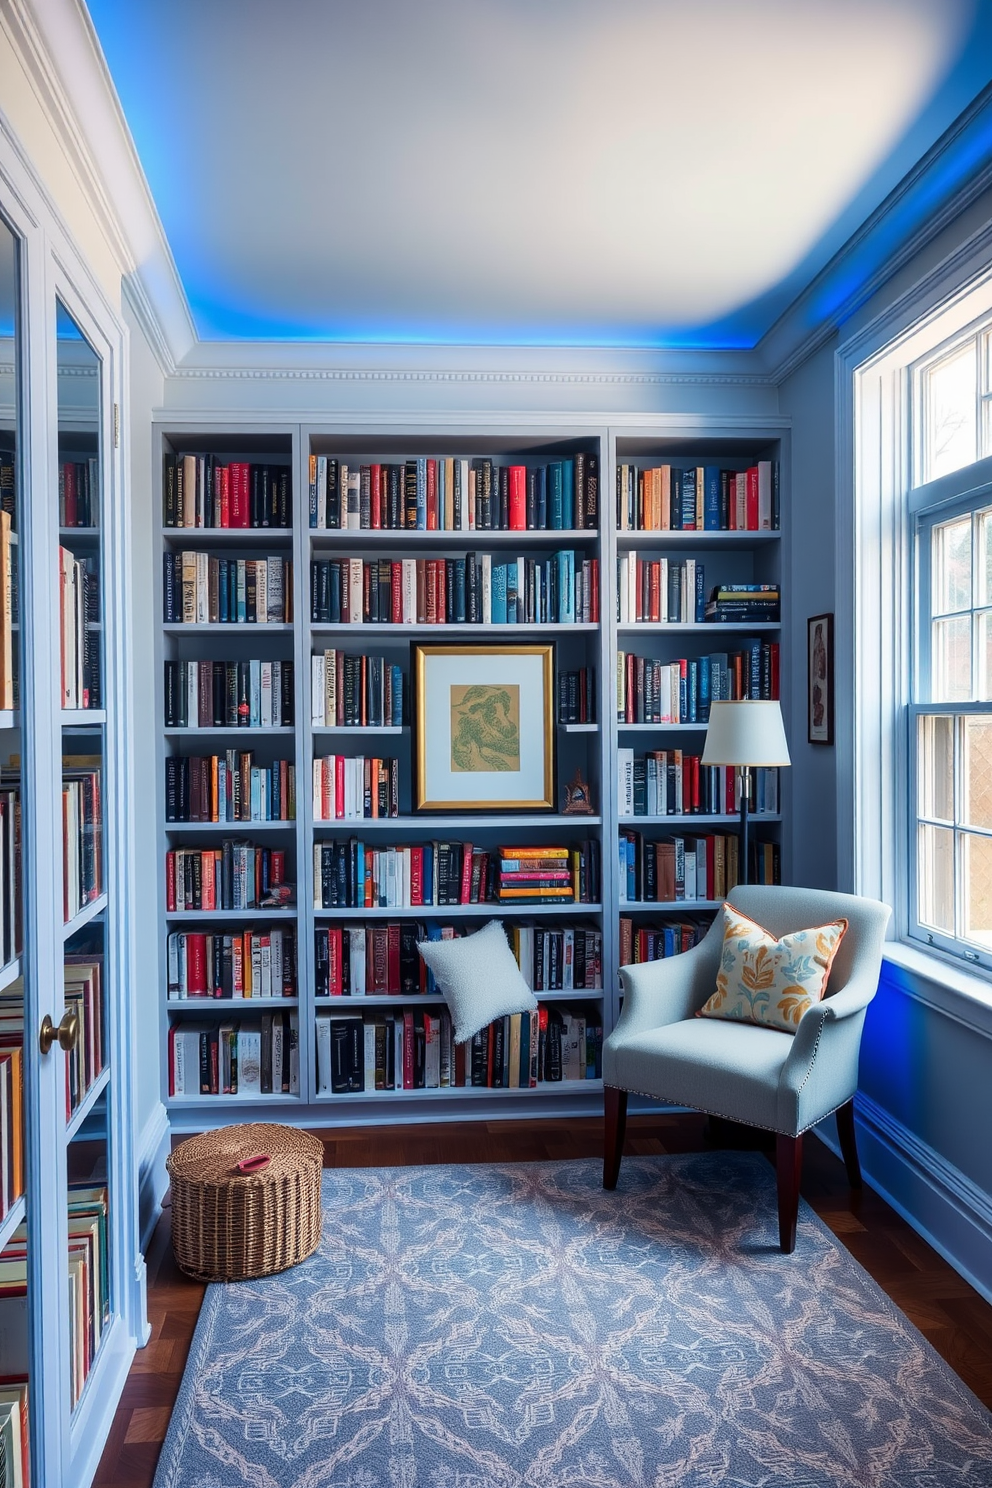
[229, 1226]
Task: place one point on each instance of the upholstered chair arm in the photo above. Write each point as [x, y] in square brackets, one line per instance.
[821, 1071]
[656, 993]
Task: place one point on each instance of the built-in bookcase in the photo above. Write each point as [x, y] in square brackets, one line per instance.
[341, 559]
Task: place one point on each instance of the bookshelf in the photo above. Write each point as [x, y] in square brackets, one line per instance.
[588, 741]
[678, 823]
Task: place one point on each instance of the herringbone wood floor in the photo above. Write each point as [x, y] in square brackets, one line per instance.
[949, 1312]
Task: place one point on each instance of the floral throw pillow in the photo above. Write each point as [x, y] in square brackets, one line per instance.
[768, 981]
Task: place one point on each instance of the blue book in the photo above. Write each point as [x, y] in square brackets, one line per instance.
[692, 679]
[396, 718]
[689, 498]
[684, 697]
[556, 495]
[421, 493]
[704, 689]
[428, 886]
[566, 587]
[223, 590]
[512, 595]
[334, 595]
[711, 498]
[359, 875]
[432, 931]
[499, 594]
[541, 497]
[568, 494]
[631, 869]
[459, 615]
[700, 593]
[622, 855]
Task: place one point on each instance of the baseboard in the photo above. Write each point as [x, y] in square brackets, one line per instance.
[941, 1203]
[153, 1180]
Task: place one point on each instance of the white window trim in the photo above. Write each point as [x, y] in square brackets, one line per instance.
[874, 376]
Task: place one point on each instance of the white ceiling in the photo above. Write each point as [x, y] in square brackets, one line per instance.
[638, 172]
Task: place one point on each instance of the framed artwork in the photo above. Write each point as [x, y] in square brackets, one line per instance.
[485, 728]
[820, 678]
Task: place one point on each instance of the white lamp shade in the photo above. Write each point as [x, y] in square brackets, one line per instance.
[745, 733]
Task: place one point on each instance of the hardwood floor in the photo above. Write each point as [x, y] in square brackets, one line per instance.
[956, 1320]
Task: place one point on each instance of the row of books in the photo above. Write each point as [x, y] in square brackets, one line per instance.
[9, 614]
[79, 492]
[200, 589]
[680, 690]
[524, 873]
[14, 1430]
[689, 868]
[355, 691]
[200, 491]
[79, 649]
[89, 1293]
[415, 1050]
[577, 696]
[654, 942]
[82, 834]
[247, 964]
[237, 1056]
[351, 875]
[730, 604]
[667, 782]
[450, 494]
[705, 498]
[228, 787]
[11, 909]
[383, 959]
[237, 875]
[229, 694]
[660, 591]
[11, 1095]
[561, 589]
[83, 992]
[355, 787]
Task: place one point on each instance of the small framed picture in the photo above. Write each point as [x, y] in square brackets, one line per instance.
[820, 678]
[485, 728]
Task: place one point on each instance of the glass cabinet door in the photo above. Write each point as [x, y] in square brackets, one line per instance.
[18, 1277]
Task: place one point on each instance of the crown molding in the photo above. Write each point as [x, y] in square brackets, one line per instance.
[62, 59]
[802, 330]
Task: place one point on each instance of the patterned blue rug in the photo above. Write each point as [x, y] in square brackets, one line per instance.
[489, 1327]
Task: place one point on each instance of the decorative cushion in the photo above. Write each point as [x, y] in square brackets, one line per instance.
[768, 981]
[479, 978]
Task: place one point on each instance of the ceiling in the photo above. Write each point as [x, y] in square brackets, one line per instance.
[526, 172]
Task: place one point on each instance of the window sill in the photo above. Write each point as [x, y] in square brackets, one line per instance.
[939, 982]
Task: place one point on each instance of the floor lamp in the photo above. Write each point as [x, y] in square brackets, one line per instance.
[747, 735]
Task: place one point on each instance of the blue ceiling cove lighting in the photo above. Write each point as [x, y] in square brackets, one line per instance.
[141, 43]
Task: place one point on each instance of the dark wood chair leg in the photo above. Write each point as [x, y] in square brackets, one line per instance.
[788, 1166]
[615, 1111]
[848, 1143]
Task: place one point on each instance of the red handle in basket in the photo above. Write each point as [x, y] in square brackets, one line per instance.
[255, 1163]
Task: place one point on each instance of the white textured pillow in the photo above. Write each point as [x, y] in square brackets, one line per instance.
[479, 978]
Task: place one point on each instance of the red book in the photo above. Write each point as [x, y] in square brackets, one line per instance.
[208, 898]
[518, 498]
[432, 495]
[222, 483]
[196, 964]
[396, 594]
[416, 875]
[631, 700]
[71, 497]
[334, 946]
[338, 811]
[594, 607]
[442, 593]
[239, 496]
[408, 1041]
[711, 867]
[751, 499]
[465, 896]
[774, 650]
[375, 482]
[393, 957]
[277, 866]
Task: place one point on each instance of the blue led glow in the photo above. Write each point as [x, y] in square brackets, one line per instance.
[134, 39]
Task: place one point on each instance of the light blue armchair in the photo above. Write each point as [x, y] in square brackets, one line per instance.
[781, 1082]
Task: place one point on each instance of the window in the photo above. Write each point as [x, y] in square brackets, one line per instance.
[950, 716]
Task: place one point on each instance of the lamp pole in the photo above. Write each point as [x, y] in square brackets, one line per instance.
[745, 790]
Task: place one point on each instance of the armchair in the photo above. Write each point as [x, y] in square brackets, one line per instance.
[781, 1082]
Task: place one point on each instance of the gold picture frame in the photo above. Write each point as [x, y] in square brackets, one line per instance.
[484, 728]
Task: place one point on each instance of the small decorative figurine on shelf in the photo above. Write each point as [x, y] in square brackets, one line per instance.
[578, 799]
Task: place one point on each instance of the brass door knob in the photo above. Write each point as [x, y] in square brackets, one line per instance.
[67, 1032]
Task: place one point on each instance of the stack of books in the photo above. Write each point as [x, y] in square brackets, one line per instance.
[733, 603]
[534, 873]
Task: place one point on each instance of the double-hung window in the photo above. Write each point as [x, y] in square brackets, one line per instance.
[951, 713]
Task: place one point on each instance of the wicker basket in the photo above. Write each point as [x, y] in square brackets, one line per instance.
[230, 1226]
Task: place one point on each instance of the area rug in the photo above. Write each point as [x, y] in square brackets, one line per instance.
[495, 1326]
